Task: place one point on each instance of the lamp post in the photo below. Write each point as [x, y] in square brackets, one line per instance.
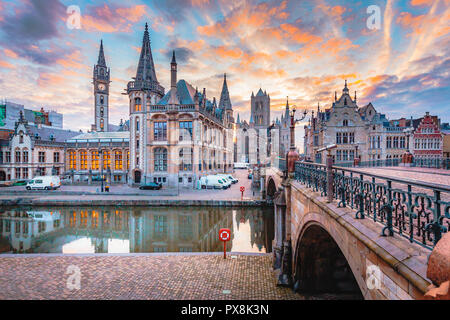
[356, 160]
[292, 155]
[101, 167]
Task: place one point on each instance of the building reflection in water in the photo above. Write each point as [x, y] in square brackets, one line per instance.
[153, 229]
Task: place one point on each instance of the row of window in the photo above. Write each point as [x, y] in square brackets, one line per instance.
[345, 155]
[22, 157]
[95, 159]
[427, 144]
[23, 173]
[396, 143]
[345, 137]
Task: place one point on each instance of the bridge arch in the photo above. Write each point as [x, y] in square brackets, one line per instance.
[321, 266]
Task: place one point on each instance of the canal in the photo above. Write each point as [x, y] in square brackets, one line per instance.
[134, 229]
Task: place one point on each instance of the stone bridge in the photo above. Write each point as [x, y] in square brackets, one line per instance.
[321, 247]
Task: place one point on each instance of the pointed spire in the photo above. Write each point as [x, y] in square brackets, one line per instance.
[318, 107]
[286, 111]
[225, 101]
[101, 56]
[146, 66]
[335, 96]
[345, 90]
[173, 57]
[238, 119]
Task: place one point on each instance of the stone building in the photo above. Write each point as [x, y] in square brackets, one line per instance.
[176, 138]
[94, 154]
[365, 134]
[32, 150]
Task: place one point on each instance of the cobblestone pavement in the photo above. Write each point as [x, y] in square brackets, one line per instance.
[164, 277]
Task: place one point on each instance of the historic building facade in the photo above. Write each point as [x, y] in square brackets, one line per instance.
[32, 150]
[176, 138]
[363, 133]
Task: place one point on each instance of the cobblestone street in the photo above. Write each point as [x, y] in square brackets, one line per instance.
[203, 276]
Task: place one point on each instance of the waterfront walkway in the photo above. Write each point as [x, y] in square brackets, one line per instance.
[142, 276]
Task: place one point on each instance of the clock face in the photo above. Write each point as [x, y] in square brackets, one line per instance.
[101, 87]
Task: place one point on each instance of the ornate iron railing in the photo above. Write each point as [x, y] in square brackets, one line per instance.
[395, 162]
[416, 210]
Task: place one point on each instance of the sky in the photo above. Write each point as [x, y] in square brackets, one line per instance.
[301, 49]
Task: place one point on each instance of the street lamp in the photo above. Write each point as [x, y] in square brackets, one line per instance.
[101, 167]
[292, 156]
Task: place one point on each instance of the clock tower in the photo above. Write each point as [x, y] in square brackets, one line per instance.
[101, 92]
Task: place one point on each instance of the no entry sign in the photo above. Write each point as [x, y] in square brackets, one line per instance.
[225, 235]
[242, 192]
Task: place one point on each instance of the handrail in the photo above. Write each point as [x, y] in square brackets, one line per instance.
[422, 216]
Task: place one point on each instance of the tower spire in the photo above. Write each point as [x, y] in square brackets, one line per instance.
[286, 111]
[101, 56]
[146, 67]
[225, 101]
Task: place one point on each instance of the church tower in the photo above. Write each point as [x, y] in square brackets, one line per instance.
[260, 109]
[143, 92]
[101, 92]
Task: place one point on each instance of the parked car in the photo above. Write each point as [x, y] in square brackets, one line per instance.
[98, 178]
[44, 183]
[240, 165]
[151, 186]
[21, 182]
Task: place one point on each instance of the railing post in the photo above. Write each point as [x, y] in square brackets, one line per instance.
[360, 213]
[329, 177]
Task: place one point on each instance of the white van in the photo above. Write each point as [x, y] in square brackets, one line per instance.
[44, 183]
[226, 179]
[215, 182]
[240, 165]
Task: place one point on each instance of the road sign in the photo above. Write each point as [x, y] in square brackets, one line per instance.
[242, 192]
[225, 235]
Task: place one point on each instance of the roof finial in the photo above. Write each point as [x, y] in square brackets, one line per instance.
[346, 83]
[146, 27]
[335, 96]
[355, 95]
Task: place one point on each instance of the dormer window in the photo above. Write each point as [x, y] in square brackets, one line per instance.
[21, 137]
[345, 101]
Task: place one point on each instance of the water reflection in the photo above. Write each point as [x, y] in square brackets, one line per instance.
[113, 230]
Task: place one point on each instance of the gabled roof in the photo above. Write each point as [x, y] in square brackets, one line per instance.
[46, 133]
[185, 94]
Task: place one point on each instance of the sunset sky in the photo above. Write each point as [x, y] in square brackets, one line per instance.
[300, 49]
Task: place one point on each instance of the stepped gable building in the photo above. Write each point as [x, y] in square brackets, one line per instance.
[179, 136]
[364, 134]
[32, 150]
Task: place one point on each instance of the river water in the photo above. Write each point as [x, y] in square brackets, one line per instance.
[139, 229]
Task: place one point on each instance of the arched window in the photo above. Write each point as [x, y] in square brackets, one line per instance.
[72, 160]
[83, 160]
[106, 159]
[160, 159]
[137, 124]
[94, 160]
[21, 137]
[118, 164]
[345, 101]
[137, 104]
[102, 99]
[102, 124]
[102, 112]
[345, 123]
